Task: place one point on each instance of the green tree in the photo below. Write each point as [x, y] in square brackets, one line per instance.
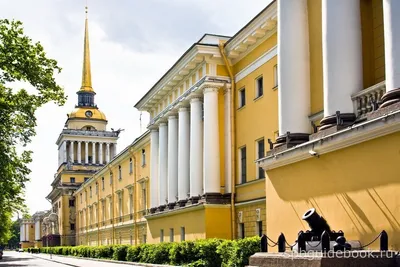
[13, 242]
[21, 62]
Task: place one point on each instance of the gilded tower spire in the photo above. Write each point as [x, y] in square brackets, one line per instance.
[86, 72]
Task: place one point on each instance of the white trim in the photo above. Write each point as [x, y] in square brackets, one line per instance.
[250, 202]
[267, 56]
[362, 132]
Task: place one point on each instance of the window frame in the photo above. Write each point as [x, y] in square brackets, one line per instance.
[143, 157]
[72, 180]
[171, 234]
[242, 98]
[257, 87]
[243, 167]
[275, 77]
[259, 169]
[119, 172]
[130, 166]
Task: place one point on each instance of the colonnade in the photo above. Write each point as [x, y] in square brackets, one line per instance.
[342, 58]
[185, 151]
[25, 231]
[79, 152]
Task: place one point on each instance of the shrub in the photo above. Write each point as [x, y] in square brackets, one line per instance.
[120, 252]
[199, 253]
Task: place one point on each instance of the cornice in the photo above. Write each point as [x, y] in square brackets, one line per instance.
[358, 133]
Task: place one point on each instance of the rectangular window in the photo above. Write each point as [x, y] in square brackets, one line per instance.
[243, 170]
[85, 179]
[111, 177]
[259, 87]
[275, 76]
[241, 230]
[144, 198]
[182, 233]
[171, 235]
[131, 205]
[72, 203]
[97, 188]
[80, 196]
[119, 172]
[72, 226]
[102, 183]
[130, 165]
[259, 228]
[143, 157]
[90, 192]
[242, 97]
[162, 235]
[72, 180]
[261, 153]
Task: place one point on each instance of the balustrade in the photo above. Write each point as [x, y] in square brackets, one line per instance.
[367, 100]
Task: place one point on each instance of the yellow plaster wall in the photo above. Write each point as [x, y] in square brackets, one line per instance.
[79, 124]
[222, 71]
[249, 191]
[249, 218]
[378, 35]
[265, 108]
[355, 189]
[218, 221]
[255, 53]
[316, 66]
[193, 220]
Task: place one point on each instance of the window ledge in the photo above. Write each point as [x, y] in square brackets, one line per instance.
[242, 107]
[275, 87]
[258, 97]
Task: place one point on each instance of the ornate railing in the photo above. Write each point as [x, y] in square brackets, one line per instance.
[91, 133]
[367, 100]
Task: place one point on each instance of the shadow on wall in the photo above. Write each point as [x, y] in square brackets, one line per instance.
[360, 182]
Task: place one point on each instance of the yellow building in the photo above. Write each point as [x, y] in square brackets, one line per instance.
[111, 205]
[234, 151]
[27, 233]
[84, 146]
[333, 73]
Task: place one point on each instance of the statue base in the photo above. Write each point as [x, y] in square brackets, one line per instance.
[354, 258]
[51, 241]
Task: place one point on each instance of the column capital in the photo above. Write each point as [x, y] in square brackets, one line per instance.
[183, 109]
[211, 89]
[172, 117]
[196, 98]
[227, 88]
[162, 124]
[153, 128]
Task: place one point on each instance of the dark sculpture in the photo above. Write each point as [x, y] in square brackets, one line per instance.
[318, 225]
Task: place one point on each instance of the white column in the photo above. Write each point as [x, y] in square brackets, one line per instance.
[93, 152]
[27, 232]
[227, 140]
[163, 163]
[86, 152]
[183, 154]
[101, 153]
[108, 153]
[37, 230]
[196, 148]
[114, 149]
[342, 54]
[21, 233]
[211, 141]
[79, 152]
[154, 180]
[71, 153]
[293, 67]
[64, 147]
[391, 17]
[172, 158]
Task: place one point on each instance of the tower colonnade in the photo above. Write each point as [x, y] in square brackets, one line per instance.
[185, 151]
[86, 152]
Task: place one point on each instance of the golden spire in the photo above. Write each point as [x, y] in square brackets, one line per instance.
[86, 72]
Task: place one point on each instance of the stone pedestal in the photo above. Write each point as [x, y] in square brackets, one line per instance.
[362, 258]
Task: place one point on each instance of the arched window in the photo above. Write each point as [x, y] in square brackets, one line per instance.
[119, 172]
[130, 165]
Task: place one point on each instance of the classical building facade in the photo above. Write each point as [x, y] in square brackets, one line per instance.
[247, 133]
[84, 146]
[343, 76]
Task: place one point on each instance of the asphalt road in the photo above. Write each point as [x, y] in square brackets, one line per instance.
[12, 258]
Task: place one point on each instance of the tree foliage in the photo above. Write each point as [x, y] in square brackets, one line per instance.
[21, 62]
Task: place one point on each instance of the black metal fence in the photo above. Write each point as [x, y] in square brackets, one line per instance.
[340, 243]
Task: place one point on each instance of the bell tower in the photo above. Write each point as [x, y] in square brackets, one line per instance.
[84, 146]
